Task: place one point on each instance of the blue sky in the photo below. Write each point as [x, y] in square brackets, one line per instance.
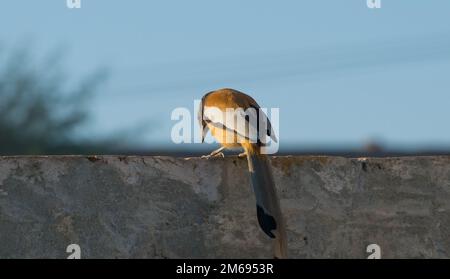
[341, 74]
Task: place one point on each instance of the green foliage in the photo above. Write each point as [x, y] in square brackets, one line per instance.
[38, 113]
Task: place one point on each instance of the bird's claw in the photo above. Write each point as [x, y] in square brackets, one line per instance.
[213, 155]
[242, 155]
[220, 154]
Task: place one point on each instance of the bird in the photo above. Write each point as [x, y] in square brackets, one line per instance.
[215, 110]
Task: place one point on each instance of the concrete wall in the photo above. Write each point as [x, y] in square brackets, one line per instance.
[162, 207]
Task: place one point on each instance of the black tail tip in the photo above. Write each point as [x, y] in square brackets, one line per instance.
[266, 222]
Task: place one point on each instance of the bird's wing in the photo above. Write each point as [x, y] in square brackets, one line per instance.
[245, 123]
[265, 124]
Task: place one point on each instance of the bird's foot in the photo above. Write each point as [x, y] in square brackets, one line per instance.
[242, 155]
[213, 155]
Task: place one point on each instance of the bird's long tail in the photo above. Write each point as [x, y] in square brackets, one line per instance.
[268, 209]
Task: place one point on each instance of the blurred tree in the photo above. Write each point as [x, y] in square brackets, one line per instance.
[38, 113]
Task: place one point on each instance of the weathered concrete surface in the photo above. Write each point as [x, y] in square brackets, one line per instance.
[158, 207]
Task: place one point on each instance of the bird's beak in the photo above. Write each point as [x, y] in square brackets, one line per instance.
[201, 121]
[203, 131]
